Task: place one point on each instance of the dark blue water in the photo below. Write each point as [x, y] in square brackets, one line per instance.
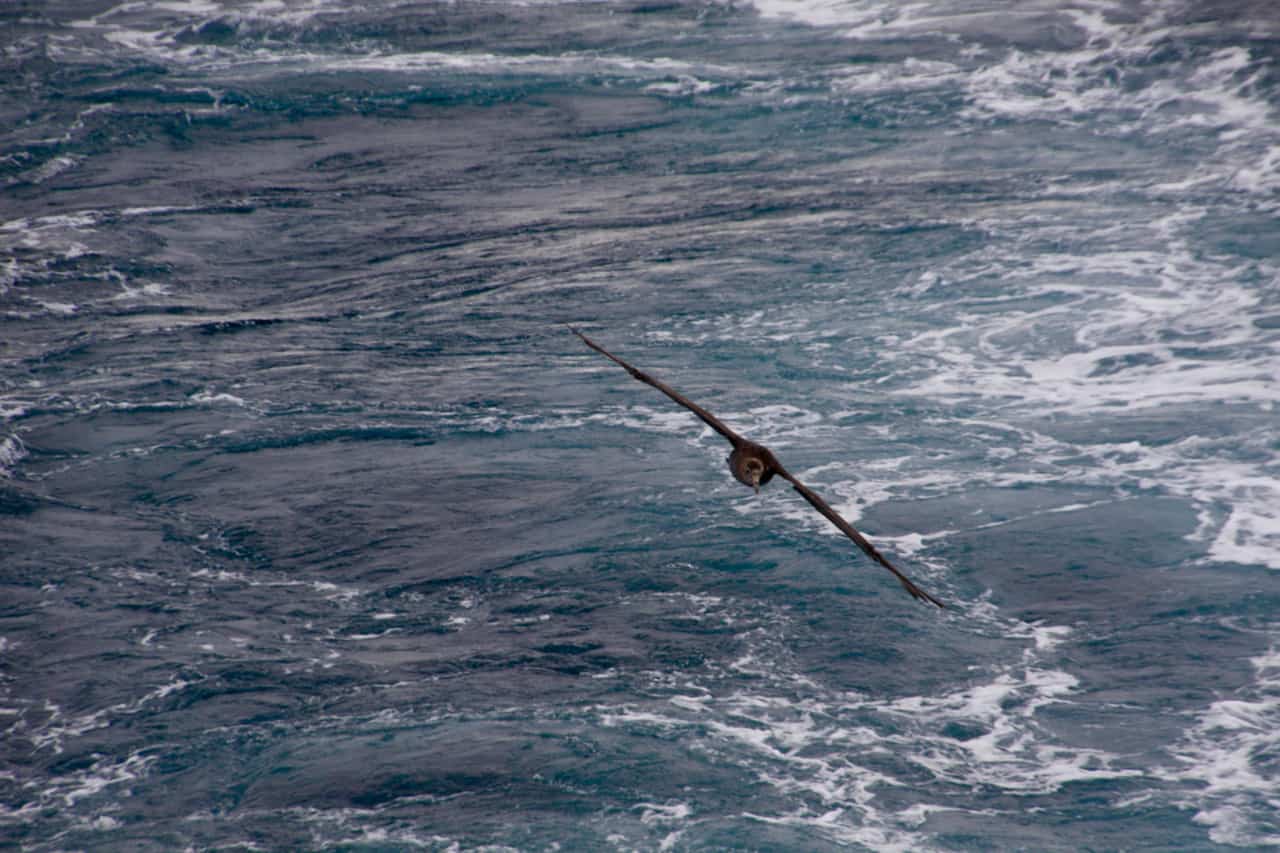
[319, 531]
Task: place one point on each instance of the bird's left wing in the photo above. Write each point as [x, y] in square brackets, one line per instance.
[707, 418]
[847, 529]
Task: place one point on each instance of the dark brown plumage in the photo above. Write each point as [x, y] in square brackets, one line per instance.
[755, 465]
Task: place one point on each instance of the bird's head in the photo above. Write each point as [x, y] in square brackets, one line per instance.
[755, 470]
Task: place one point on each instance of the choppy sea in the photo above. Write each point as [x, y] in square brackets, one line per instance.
[320, 531]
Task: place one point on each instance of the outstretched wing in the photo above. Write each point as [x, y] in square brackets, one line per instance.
[736, 440]
[707, 418]
[834, 517]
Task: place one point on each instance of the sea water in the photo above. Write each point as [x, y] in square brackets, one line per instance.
[319, 530]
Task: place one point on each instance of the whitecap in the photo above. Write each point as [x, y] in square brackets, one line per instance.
[150, 289]
[64, 309]
[654, 812]
[30, 226]
[1229, 756]
[52, 168]
[102, 774]
[12, 451]
[375, 636]
[910, 75]
[209, 397]
[104, 823]
[682, 87]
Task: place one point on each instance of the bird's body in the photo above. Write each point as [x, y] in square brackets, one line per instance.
[755, 465]
[752, 464]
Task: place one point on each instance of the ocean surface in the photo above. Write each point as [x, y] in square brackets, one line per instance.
[319, 530]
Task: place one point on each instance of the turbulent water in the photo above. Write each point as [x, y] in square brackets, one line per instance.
[319, 530]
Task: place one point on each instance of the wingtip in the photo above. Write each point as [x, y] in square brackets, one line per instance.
[920, 595]
[924, 596]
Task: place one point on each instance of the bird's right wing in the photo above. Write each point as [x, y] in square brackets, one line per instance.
[707, 418]
[847, 529]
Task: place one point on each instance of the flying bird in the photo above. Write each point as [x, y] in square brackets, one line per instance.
[755, 465]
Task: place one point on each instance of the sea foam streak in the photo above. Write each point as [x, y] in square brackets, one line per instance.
[830, 753]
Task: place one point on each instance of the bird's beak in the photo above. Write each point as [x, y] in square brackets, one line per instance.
[755, 483]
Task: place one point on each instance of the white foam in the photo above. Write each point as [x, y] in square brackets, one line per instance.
[1195, 468]
[12, 451]
[807, 747]
[684, 86]
[157, 210]
[1105, 80]
[330, 591]
[910, 75]
[52, 168]
[1117, 330]
[1009, 754]
[1229, 756]
[663, 812]
[58, 727]
[64, 309]
[350, 828]
[29, 226]
[686, 73]
[10, 408]
[865, 18]
[1251, 533]
[375, 636]
[1260, 175]
[209, 398]
[1222, 92]
[103, 774]
[104, 823]
[156, 36]
[150, 289]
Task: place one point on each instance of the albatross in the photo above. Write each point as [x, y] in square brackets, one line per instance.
[755, 465]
